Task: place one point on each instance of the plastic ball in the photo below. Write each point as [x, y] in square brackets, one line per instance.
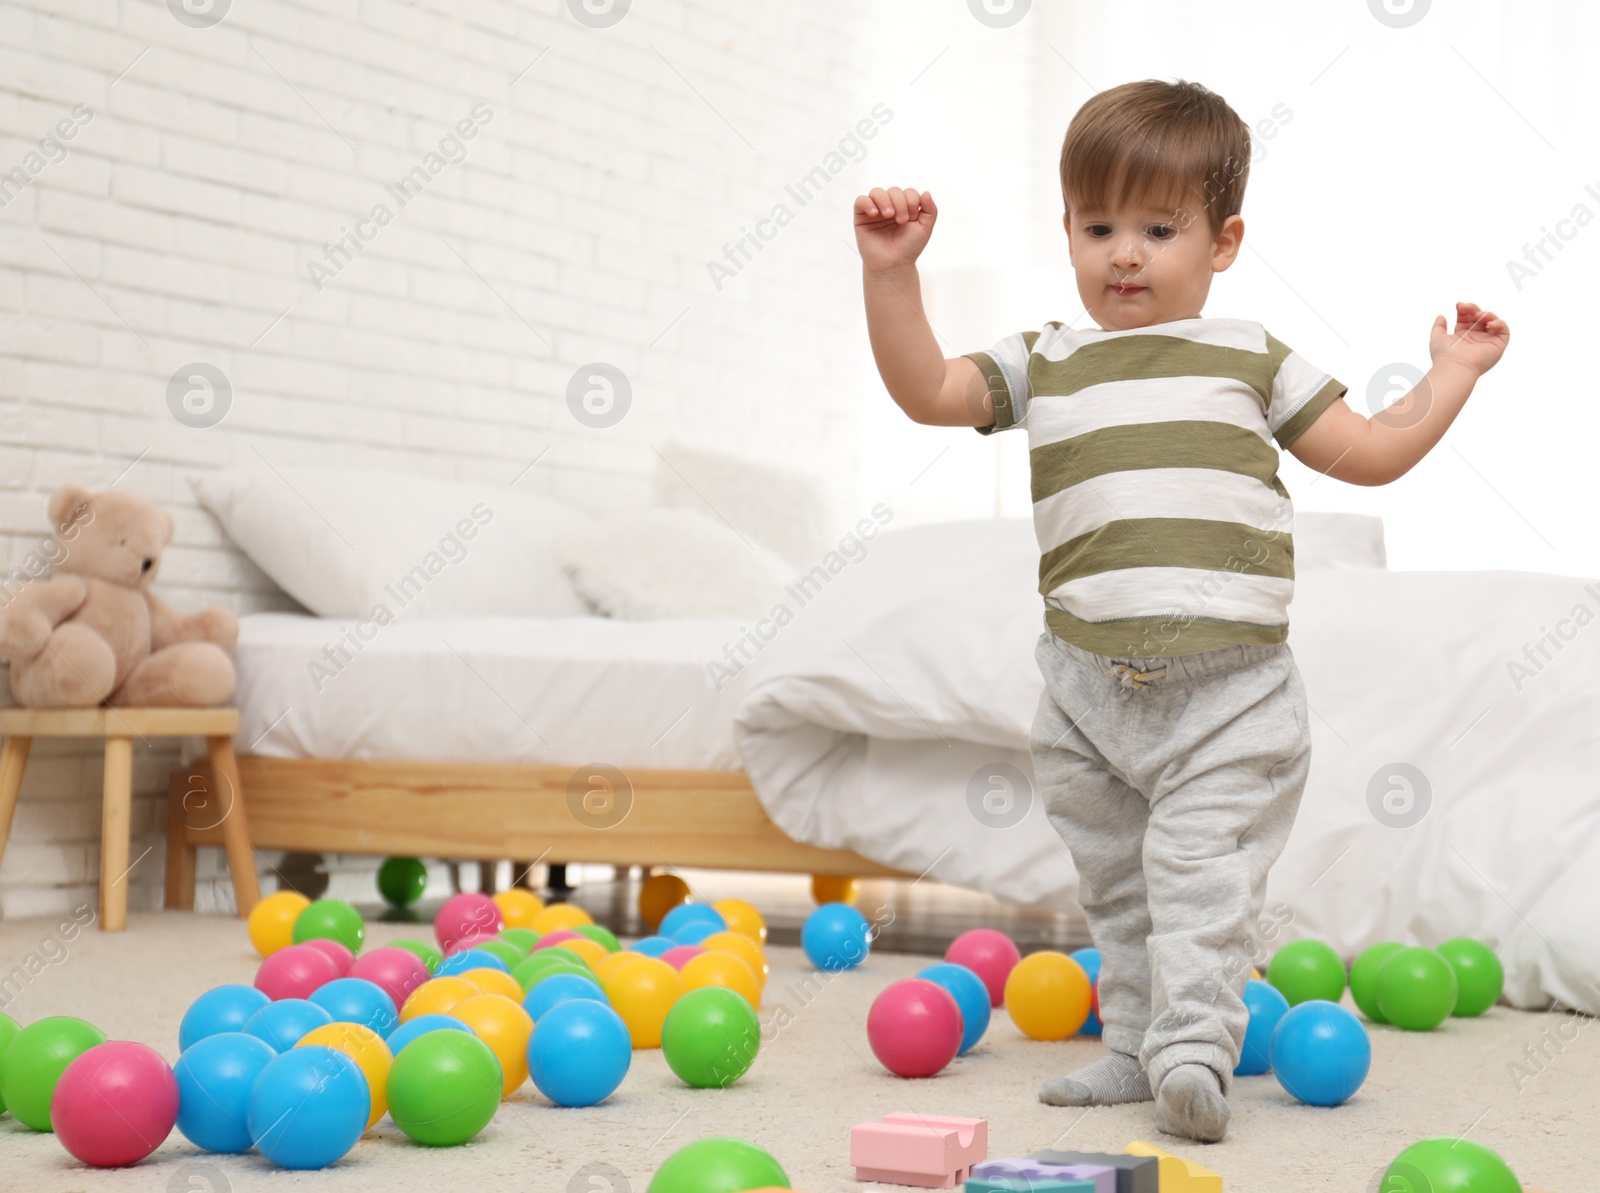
[294, 972]
[914, 1027]
[1090, 960]
[563, 987]
[509, 953]
[331, 919]
[971, 996]
[1266, 1006]
[1417, 989]
[397, 972]
[222, 1008]
[421, 1025]
[364, 1046]
[9, 1028]
[1320, 1053]
[281, 1024]
[459, 963]
[536, 963]
[711, 1037]
[680, 955]
[422, 951]
[1306, 970]
[830, 888]
[531, 977]
[695, 931]
[692, 913]
[495, 981]
[836, 937]
[444, 1087]
[579, 1053]
[341, 957]
[741, 946]
[1048, 996]
[603, 937]
[1479, 975]
[308, 1107]
[436, 997]
[356, 1000]
[518, 906]
[34, 1061]
[659, 894]
[718, 1166]
[642, 993]
[215, 1078]
[505, 1027]
[652, 946]
[724, 970]
[558, 916]
[115, 1104]
[1449, 1165]
[586, 950]
[1364, 978]
[465, 919]
[743, 917]
[271, 922]
[521, 939]
[613, 961]
[401, 880]
[990, 954]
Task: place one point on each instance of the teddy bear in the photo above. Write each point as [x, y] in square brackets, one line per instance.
[93, 634]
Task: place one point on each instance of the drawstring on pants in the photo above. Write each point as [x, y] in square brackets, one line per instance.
[1132, 678]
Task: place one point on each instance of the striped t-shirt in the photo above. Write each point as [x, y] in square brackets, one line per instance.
[1163, 527]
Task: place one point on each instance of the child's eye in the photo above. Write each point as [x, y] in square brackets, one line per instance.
[1161, 231]
[1098, 229]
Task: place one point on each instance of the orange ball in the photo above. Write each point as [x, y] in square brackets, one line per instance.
[437, 995]
[742, 917]
[740, 945]
[271, 922]
[1047, 996]
[828, 888]
[502, 1024]
[613, 961]
[559, 917]
[722, 969]
[365, 1047]
[642, 992]
[518, 907]
[495, 981]
[659, 895]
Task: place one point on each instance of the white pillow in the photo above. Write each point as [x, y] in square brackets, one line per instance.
[671, 563]
[1330, 540]
[343, 541]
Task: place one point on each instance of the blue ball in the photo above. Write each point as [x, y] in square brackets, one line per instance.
[1266, 1006]
[1090, 960]
[459, 963]
[971, 995]
[579, 1053]
[282, 1023]
[422, 1024]
[1320, 1052]
[695, 931]
[356, 1000]
[689, 913]
[308, 1107]
[836, 936]
[215, 1077]
[222, 1008]
[560, 988]
[653, 946]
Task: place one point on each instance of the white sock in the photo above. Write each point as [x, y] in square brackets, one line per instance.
[1190, 1104]
[1113, 1079]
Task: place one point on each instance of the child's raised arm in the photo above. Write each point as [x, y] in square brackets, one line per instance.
[892, 229]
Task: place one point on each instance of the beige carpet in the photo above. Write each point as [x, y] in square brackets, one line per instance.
[815, 1078]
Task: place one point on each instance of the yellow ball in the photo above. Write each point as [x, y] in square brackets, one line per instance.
[518, 907]
[502, 1024]
[723, 969]
[559, 917]
[1047, 996]
[742, 917]
[612, 961]
[826, 888]
[740, 945]
[495, 981]
[437, 995]
[642, 992]
[271, 922]
[367, 1049]
[590, 950]
[659, 895]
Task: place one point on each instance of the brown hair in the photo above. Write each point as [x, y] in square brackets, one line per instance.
[1157, 142]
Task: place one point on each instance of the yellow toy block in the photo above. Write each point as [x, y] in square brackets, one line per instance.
[1177, 1174]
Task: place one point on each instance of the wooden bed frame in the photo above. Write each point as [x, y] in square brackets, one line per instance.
[484, 812]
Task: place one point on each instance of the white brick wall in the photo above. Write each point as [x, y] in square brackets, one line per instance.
[218, 162]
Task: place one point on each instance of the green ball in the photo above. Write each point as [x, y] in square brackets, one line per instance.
[717, 1166]
[423, 951]
[503, 949]
[1416, 989]
[9, 1028]
[533, 976]
[1479, 975]
[34, 1060]
[444, 1087]
[331, 919]
[711, 1037]
[521, 939]
[600, 936]
[534, 964]
[401, 881]
[1305, 970]
[1364, 978]
[1449, 1165]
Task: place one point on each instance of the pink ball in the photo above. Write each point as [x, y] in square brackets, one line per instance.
[295, 972]
[397, 972]
[551, 939]
[466, 919]
[914, 1028]
[990, 955]
[115, 1104]
[680, 955]
[336, 952]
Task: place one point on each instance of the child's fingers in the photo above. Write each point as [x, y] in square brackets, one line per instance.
[880, 202]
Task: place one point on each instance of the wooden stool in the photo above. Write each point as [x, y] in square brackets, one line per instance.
[119, 726]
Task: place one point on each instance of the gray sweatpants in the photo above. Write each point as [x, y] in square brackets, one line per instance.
[1174, 782]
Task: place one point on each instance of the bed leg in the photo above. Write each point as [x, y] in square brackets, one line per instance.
[557, 880]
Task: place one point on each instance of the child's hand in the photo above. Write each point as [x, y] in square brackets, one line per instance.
[1479, 340]
[893, 226]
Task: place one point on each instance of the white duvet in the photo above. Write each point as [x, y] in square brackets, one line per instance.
[865, 720]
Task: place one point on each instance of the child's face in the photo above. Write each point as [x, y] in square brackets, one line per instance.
[1147, 264]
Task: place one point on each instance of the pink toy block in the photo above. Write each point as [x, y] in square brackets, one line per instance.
[927, 1151]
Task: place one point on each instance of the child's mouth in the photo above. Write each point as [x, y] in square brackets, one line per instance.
[1124, 289]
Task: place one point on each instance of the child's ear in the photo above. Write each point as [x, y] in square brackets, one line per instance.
[1225, 249]
[1066, 222]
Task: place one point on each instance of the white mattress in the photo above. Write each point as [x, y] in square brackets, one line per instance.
[543, 691]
